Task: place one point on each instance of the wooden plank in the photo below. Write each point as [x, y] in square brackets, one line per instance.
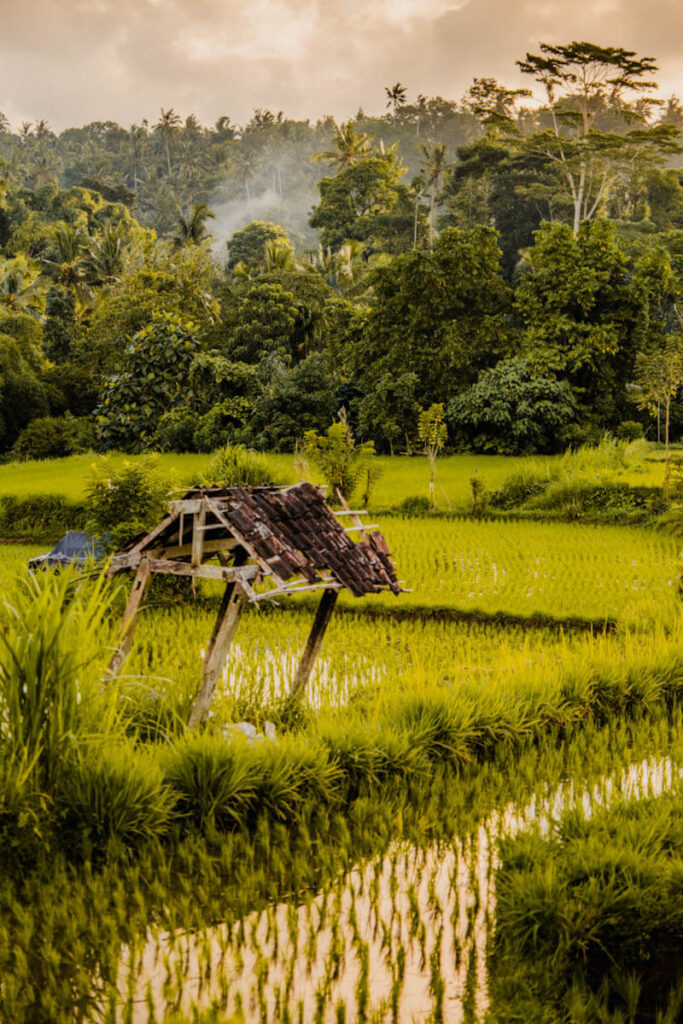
[207, 572]
[300, 587]
[211, 547]
[188, 506]
[356, 529]
[138, 592]
[198, 534]
[315, 639]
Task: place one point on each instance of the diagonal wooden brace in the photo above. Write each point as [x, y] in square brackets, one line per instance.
[232, 604]
[315, 639]
[141, 582]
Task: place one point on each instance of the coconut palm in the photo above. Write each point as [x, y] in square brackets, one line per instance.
[434, 165]
[166, 126]
[105, 255]
[396, 96]
[22, 288]
[191, 227]
[350, 144]
[67, 265]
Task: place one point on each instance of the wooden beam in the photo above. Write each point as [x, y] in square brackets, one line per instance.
[204, 571]
[227, 621]
[154, 534]
[198, 534]
[188, 506]
[315, 639]
[138, 592]
[211, 547]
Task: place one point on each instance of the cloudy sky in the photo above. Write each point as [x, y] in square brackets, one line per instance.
[74, 61]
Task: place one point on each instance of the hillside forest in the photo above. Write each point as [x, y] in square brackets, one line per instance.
[515, 256]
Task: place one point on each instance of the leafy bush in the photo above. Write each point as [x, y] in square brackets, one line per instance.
[122, 503]
[175, 431]
[519, 488]
[415, 505]
[343, 463]
[51, 437]
[512, 412]
[629, 430]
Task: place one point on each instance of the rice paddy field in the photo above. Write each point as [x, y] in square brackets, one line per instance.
[402, 476]
[370, 858]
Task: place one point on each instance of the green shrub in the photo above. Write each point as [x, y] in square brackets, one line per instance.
[519, 488]
[629, 430]
[51, 437]
[113, 794]
[122, 503]
[343, 463]
[175, 431]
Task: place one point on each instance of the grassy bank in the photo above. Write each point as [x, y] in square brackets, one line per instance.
[590, 918]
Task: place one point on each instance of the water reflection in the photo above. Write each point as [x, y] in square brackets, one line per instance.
[402, 939]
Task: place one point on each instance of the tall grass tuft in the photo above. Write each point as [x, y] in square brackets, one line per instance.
[54, 643]
[115, 794]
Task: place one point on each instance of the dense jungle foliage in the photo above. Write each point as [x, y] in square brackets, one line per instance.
[174, 286]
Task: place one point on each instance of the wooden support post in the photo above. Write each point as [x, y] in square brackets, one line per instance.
[198, 534]
[315, 639]
[141, 582]
[223, 632]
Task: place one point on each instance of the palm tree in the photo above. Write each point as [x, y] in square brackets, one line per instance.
[279, 256]
[166, 126]
[350, 147]
[137, 139]
[22, 288]
[433, 167]
[191, 228]
[68, 266]
[104, 259]
[396, 96]
[421, 112]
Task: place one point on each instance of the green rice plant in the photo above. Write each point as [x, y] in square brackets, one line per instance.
[291, 771]
[214, 780]
[591, 917]
[368, 755]
[435, 726]
[114, 794]
[53, 649]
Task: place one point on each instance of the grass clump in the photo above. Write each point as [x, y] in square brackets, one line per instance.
[114, 795]
[590, 919]
[235, 464]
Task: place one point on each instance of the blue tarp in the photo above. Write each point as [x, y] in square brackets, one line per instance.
[75, 548]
